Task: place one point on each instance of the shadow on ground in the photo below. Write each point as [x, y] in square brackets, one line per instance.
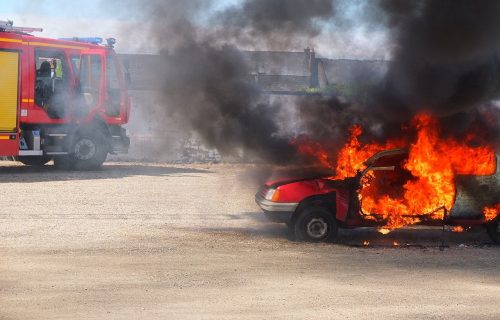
[25, 174]
[408, 237]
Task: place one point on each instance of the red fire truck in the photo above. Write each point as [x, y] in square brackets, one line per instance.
[64, 100]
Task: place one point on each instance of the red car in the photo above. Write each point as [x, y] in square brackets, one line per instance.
[314, 208]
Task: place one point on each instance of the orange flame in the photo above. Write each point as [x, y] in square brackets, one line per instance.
[458, 229]
[428, 189]
[433, 163]
[384, 231]
[490, 213]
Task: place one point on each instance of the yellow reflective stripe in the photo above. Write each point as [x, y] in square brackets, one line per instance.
[52, 45]
[41, 44]
[28, 100]
[11, 40]
[4, 137]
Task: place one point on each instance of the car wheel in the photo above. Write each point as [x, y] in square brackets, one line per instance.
[315, 224]
[34, 161]
[493, 228]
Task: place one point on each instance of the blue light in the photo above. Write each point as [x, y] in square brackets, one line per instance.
[92, 40]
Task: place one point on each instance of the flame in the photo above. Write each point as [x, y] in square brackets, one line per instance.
[433, 163]
[490, 213]
[354, 154]
[429, 171]
[366, 243]
[384, 230]
[313, 149]
[395, 243]
[458, 229]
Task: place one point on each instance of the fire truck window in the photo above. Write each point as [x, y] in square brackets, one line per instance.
[113, 87]
[52, 82]
[75, 63]
[90, 79]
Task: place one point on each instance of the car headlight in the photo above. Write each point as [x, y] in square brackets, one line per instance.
[272, 194]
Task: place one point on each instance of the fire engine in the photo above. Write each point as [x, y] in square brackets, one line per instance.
[63, 100]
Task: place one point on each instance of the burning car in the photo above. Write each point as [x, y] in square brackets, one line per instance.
[314, 208]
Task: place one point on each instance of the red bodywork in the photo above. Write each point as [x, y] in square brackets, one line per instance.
[31, 114]
[298, 191]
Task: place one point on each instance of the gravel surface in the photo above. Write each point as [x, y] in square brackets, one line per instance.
[157, 241]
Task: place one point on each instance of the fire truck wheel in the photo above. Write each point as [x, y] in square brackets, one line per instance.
[493, 228]
[89, 150]
[315, 224]
[34, 161]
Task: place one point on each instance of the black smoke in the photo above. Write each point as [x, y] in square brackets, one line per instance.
[276, 23]
[444, 60]
[446, 57]
[207, 85]
[208, 89]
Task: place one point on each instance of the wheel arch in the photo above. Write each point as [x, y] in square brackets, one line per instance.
[99, 124]
[327, 201]
[96, 124]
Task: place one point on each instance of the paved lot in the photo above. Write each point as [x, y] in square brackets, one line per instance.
[142, 241]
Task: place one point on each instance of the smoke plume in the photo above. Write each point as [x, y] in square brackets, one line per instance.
[444, 60]
[275, 23]
[446, 55]
[206, 83]
[208, 86]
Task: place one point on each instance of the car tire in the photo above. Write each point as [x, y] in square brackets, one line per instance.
[39, 161]
[315, 224]
[493, 228]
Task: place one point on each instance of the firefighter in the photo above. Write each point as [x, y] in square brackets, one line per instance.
[44, 70]
[57, 71]
[42, 85]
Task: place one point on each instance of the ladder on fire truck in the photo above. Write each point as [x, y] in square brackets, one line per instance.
[8, 26]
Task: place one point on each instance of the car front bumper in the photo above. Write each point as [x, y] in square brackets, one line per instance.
[276, 211]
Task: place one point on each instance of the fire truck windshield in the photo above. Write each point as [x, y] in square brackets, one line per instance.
[113, 86]
[90, 79]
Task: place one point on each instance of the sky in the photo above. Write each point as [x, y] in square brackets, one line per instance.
[62, 18]
[89, 18]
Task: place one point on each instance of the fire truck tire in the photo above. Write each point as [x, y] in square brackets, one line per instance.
[89, 150]
[493, 228]
[34, 161]
[315, 224]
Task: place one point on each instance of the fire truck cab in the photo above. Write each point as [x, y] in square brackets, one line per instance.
[64, 100]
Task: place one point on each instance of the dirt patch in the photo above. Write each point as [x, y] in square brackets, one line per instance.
[157, 241]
